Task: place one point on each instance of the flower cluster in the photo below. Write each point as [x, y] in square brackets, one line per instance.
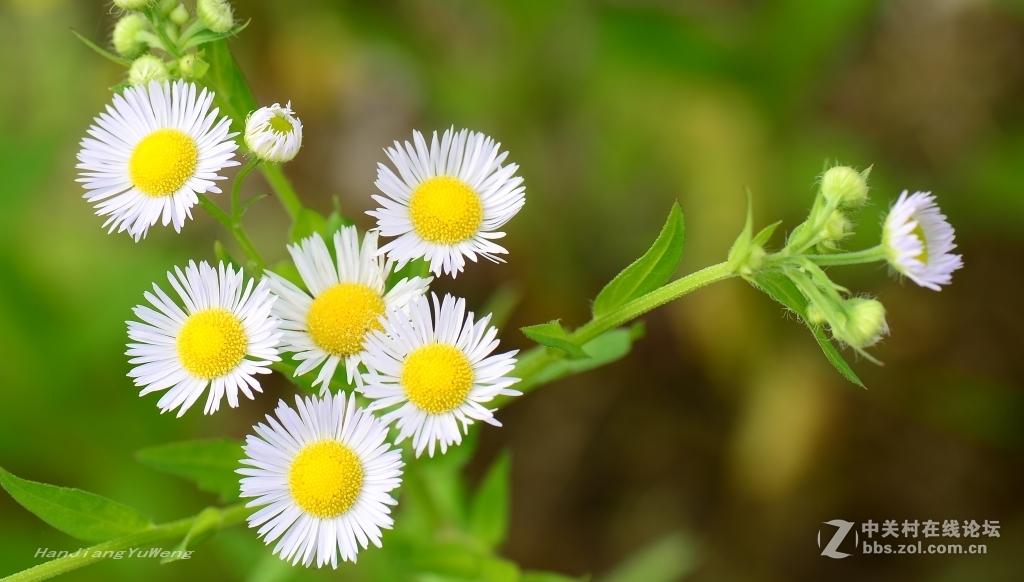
[321, 471]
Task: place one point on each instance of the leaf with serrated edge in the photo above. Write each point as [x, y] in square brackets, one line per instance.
[78, 513]
[210, 464]
[552, 335]
[650, 271]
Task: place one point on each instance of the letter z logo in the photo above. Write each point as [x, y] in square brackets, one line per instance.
[832, 548]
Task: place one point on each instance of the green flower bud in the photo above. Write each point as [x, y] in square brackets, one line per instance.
[845, 186]
[132, 4]
[865, 323]
[167, 6]
[179, 15]
[215, 15]
[126, 35]
[814, 315]
[147, 68]
[192, 67]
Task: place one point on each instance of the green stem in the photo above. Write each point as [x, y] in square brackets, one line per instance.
[234, 226]
[656, 298]
[231, 515]
[236, 188]
[283, 188]
[872, 255]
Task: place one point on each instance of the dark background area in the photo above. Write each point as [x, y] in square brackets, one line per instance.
[726, 423]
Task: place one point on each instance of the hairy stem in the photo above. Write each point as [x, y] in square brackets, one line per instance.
[234, 226]
[231, 515]
[872, 255]
[283, 188]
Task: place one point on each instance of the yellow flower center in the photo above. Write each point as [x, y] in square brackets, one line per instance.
[445, 210]
[162, 162]
[437, 378]
[325, 479]
[919, 233]
[211, 343]
[341, 316]
[280, 125]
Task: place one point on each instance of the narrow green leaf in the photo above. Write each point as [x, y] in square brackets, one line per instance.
[308, 221]
[666, 560]
[232, 93]
[222, 254]
[78, 513]
[740, 250]
[414, 268]
[102, 51]
[211, 464]
[604, 349]
[765, 234]
[650, 271]
[780, 288]
[205, 36]
[459, 562]
[552, 335]
[203, 528]
[489, 510]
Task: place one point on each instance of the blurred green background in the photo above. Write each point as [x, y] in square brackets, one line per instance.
[726, 425]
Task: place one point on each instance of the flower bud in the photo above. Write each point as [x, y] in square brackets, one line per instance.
[167, 6]
[179, 15]
[844, 186]
[132, 4]
[192, 67]
[126, 35]
[865, 323]
[215, 15]
[837, 227]
[274, 134]
[814, 315]
[147, 68]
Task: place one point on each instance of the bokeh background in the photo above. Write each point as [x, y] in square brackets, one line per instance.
[725, 427]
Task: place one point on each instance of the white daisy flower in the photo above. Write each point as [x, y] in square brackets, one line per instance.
[273, 133]
[323, 475]
[918, 240]
[449, 200]
[222, 338]
[438, 370]
[156, 147]
[345, 300]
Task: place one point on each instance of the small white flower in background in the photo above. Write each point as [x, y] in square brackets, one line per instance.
[215, 15]
[447, 200]
[147, 69]
[323, 475]
[346, 298]
[273, 133]
[223, 337]
[917, 240]
[151, 153]
[438, 369]
[126, 38]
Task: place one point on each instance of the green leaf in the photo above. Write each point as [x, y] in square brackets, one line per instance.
[604, 349]
[765, 234]
[780, 288]
[308, 221]
[459, 562]
[222, 254]
[489, 510]
[552, 335]
[211, 464]
[203, 528]
[205, 36]
[102, 51]
[666, 560]
[78, 513]
[740, 250]
[650, 271]
[232, 93]
[414, 268]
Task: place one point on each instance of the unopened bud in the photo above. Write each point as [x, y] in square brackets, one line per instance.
[215, 15]
[179, 15]
[845, 186]
[147, 68]
[865, 323]
[132, 4]
[126, 35]
[814, 315]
